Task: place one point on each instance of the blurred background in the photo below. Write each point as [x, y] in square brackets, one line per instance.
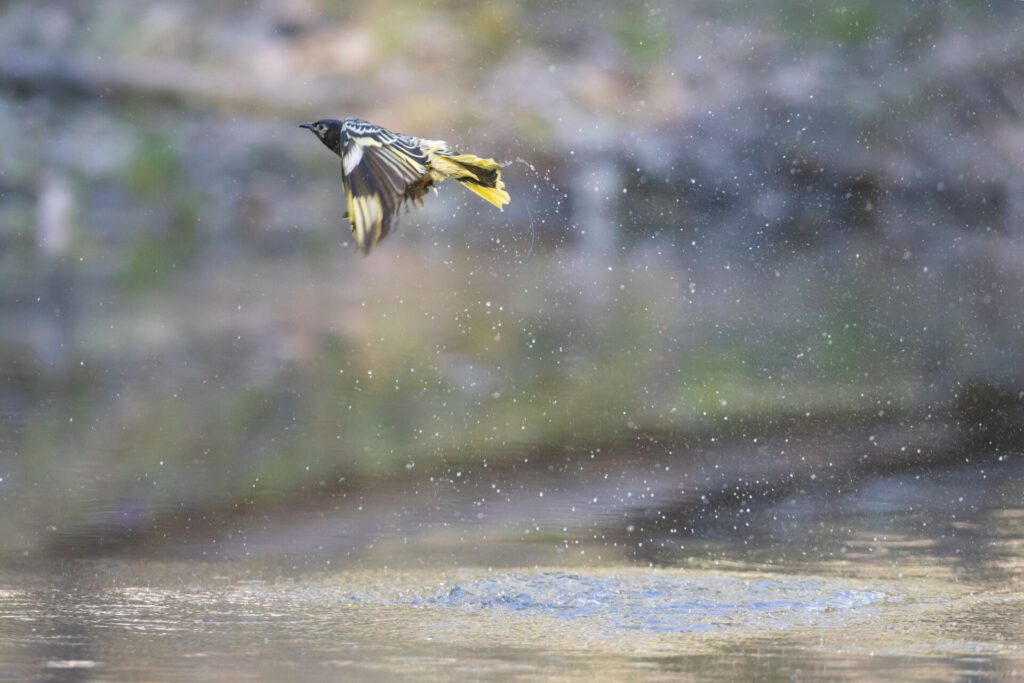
[752, 319]
[778, 279]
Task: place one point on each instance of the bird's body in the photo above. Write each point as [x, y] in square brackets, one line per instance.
[381, 170]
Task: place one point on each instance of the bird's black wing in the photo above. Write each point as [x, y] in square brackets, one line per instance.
[378, 170]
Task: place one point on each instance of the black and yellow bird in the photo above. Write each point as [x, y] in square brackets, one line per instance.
[381, 170]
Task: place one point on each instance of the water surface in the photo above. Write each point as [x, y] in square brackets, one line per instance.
[863, 586]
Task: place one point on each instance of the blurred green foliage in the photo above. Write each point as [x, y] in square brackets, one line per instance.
[854, 22]
[644, 35]
[155, 174]
[154, 170]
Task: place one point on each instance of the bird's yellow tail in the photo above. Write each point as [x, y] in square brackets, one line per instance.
[482, 176]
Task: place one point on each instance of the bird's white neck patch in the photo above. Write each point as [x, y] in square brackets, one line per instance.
[352, 158]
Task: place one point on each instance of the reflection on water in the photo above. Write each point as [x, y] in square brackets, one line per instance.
[119, 621]
[774, 546]
[569, 571]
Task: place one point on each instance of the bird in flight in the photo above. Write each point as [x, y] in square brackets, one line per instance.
[381, 170]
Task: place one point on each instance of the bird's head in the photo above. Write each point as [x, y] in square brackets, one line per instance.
[329, 132]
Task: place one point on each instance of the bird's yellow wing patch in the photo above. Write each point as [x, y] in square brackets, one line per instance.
[377, 177]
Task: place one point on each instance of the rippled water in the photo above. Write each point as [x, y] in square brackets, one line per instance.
[902, 577]
[120, 621]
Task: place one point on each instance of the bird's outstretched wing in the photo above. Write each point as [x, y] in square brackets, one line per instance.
[379, 171]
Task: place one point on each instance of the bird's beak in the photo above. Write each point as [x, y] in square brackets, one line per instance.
[308, 125]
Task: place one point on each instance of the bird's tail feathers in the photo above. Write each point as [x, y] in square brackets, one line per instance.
[481, 176]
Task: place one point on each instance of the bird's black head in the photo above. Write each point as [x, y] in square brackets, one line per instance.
[329, 132]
